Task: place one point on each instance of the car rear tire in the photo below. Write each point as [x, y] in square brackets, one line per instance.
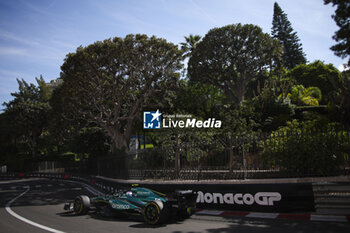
[81, 204]
[188, 212]
[155, 213]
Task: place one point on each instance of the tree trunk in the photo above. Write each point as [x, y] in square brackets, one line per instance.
[240, 90]
[34, 144]
[120, 141]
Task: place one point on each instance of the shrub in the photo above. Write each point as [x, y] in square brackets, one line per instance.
[307, 149]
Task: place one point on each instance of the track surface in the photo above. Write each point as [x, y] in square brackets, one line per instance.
[43, 204]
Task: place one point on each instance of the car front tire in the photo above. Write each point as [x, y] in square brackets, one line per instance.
[81, 204]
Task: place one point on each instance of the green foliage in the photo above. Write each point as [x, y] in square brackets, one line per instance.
[109, 83]
[190, 44]
[342, 19]
[272, 112]
[283, 31]
[7, 138]
[29, 113]
[340, 101]
[63, 127]
[272, 108]
[235, 75]
[238, 121]
[91, 141]
[307, 148]
[200, 99]
[231, 56]
[193, 146]
[302, 96]
[317, 74]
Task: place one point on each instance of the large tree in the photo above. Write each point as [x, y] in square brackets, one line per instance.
[29, 112]
[110, 82]
[231, 56]
[342, 36]
[283, 31]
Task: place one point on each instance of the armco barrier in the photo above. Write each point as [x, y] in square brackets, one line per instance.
[281, 197]
[19, 175]
[287, 197]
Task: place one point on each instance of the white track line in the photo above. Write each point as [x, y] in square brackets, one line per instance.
[8, 209]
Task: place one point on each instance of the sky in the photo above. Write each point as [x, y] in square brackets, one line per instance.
[36, 35]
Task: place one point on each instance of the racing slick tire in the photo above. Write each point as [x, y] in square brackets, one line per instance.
[188, 212]
[155, 212]
[81, 204]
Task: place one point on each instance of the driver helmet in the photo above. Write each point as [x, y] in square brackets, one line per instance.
[129, 193]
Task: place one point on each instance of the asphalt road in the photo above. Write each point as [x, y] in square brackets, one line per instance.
[41, 204]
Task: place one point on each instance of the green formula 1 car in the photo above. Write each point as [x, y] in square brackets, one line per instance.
[155, 207]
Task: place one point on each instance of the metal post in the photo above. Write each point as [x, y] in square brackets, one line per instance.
[177, 161]
[230, 151]
[244, 163]
[177, 158]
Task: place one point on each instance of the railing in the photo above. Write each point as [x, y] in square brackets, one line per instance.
[287, 154]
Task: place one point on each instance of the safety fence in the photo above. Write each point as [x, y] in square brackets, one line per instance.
[275, 155]
[278, 155]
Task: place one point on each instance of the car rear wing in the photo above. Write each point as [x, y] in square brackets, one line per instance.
[189, 195]
[184, 192]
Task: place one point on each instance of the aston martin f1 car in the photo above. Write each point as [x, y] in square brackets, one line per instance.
[155, 207]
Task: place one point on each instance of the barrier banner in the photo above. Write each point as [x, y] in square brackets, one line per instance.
[287, 197]
[291, 197]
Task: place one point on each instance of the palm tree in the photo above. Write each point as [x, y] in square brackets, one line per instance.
[190, 44]
[302, 96]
